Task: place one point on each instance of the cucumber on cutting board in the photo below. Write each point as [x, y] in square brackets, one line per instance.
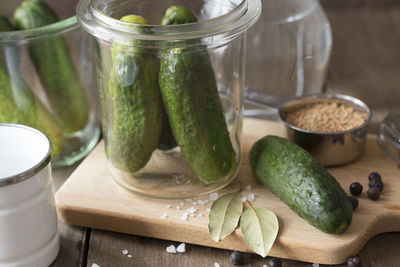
[56, 70]
[302, 183]
[194, 109]
[17, 102]
[135, 127]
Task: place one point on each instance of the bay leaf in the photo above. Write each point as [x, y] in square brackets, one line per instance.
[224, 216]
[259, 227]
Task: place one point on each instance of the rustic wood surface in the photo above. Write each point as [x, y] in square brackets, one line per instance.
[91, 198]
[365, 62]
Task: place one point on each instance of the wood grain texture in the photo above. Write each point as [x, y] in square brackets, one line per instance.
[91, 198]
[72, 238]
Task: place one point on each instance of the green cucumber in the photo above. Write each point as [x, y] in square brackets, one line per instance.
[18, 103]
[56, 70]
[135, 127]
[190, 96]
[292, 174]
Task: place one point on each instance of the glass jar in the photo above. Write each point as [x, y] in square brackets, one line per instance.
[48, 81]
[171, 127]
[287, 52]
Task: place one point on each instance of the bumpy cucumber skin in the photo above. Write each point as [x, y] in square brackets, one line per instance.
[190, 96]
[302, 183]
[135, 127]
[55, 67]
[178, 14]
[19, 104]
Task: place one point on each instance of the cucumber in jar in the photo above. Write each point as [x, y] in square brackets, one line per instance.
[189, 92]
[51, 57]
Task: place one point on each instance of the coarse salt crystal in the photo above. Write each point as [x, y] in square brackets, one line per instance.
[200, 214]
[164, 216]
[214, 196]
[191, 210]
[178, 208]
[182, 203]
[194, 203]
[181, 248]
[171, 249]
[202, 202]
[125, 251]
[191, 215]
[244, 199]
[264, 265]
[129, 256]
[315, 264]
[168, 206]
[251, 197]
[184, 216]
[95, 265]
[216, 264]
[248, 188]
[208, 210]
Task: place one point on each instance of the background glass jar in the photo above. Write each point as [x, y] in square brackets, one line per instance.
[48, 81]
[288, 53]
[168, 132]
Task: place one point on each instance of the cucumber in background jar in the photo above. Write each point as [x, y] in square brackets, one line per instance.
[18, 104]
[54, 65]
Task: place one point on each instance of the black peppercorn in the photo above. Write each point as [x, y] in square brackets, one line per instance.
[354, 261]
[237, 258]
[356, 188]
[373, 193]
[274, 262]
[354, 202]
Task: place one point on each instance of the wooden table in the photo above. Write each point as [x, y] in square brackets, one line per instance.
[365, 63]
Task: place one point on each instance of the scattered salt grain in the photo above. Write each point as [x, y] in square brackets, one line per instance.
[214, 196]
[264, 265]
[184, 216]
[191, 210]
[248, 188]
[244, 199]
[171, 249]
[200, 214]
[125, 252]
[95, 265]
[182, 203]
[208, 210]
[164, 216]
[168, 206]
[129, 256]
[178, 208]
[181, 248]
[216, 264]
[251, 197]
[194, 203]
[191, 215]
[315, 264]
[202, 202]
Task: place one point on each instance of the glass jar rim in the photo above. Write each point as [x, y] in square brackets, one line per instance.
[225, 26]
[58, 27]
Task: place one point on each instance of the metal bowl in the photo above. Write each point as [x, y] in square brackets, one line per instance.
[329, 148]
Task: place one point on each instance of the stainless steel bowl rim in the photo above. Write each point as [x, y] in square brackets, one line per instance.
[347, 98]
[13, 179]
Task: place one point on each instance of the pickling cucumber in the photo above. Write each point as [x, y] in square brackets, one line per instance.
[18, 103]
[194, 109]
[135, 125]
[292, 174]
[54, 65]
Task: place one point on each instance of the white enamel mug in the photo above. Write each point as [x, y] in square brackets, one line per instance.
[28, 219]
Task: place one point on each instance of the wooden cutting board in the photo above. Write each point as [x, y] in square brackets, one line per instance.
[91, 198]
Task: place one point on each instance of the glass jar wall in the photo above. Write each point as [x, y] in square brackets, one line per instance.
[171, 95]
[47, 76]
